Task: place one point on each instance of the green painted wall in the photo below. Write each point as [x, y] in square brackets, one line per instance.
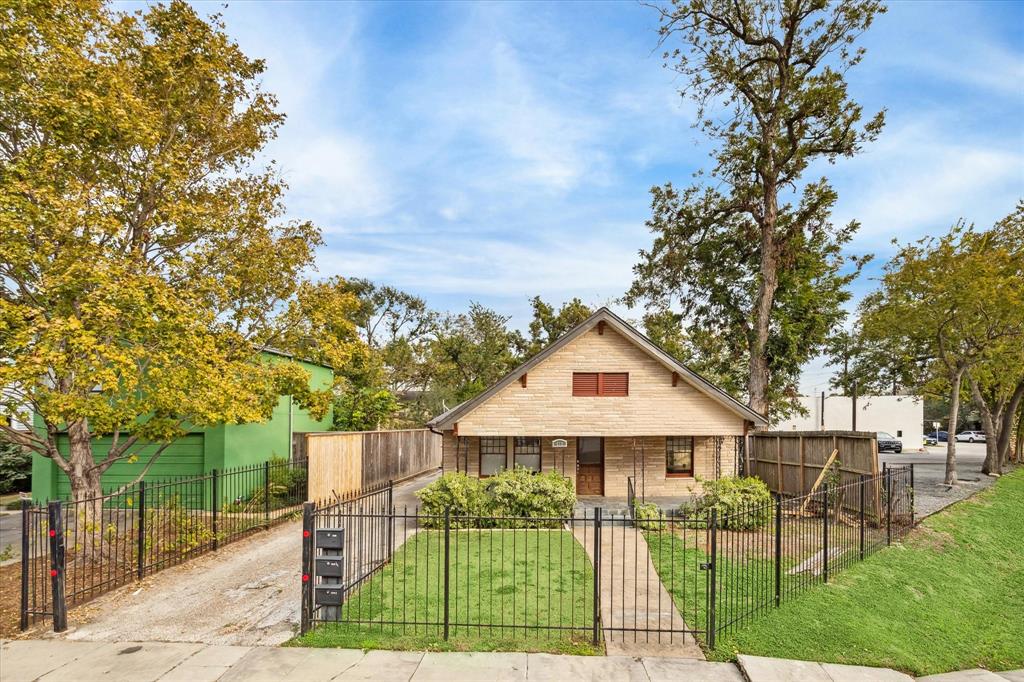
[219, 447]
[246, 444]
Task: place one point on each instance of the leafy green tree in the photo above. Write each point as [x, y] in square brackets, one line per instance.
[997, 379]
[364, 409]
[699, 348]
[15, 467]
[470, 352]
[548, 324]
[954, 302]
[144, 256]
[750, 257]
[870, 365]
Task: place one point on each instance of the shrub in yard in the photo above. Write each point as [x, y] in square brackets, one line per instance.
[511, 493]
[743, 503]
[521, 493]
[647, 516]
[462, 495]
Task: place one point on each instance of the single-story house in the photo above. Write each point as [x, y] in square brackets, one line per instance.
[218, 447]
[601, 404]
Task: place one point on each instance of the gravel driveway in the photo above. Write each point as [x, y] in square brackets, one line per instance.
[246, 593]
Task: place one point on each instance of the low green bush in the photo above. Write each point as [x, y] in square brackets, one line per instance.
[459, 494]
[521, 493]
[517, 493]
[742, 503]
[647, 516]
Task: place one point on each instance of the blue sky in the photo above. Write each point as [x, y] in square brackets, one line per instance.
[492, 152]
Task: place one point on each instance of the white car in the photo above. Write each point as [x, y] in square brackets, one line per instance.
[970, 437]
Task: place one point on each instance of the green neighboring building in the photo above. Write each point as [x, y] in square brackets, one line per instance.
[220, 447]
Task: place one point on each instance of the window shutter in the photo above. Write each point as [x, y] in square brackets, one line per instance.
[584, 383]
[615, 384]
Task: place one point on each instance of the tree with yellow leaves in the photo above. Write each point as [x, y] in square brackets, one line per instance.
[144, 257]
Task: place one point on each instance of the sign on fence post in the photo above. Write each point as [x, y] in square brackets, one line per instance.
[60, 607]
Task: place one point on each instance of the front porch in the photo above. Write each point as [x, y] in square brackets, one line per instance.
[665, 470]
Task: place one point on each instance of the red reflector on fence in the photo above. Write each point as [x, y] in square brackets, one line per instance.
[53, 533]
[305, 533]
[53, 572]
[305, 577]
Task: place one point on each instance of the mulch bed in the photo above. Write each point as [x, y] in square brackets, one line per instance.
[10, 600]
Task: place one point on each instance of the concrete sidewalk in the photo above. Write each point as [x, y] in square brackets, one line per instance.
[57, 660]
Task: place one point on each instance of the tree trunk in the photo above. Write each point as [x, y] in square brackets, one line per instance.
[1006, 424]
[990, 422]
[1018, 450]
[757, 380]
[83, 473]
[954, 414]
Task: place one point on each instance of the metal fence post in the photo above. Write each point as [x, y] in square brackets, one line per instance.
[266, 492]
[597, 577]
[913, 494]
[60, 607]
[26, 529]
[712, 579]
[888, 506]
[778, 549]
[140, 549]
[862, 517]
[390, 549]
[306, 605]
[824, 534]
[447, 548]
[214, 503]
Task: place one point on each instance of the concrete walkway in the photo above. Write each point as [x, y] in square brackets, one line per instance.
[54, 660]
[66, 661]
[632, 596]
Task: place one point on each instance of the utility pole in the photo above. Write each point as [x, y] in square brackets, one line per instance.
[854, 405]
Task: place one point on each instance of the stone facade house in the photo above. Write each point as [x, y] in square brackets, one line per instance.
[601, 405]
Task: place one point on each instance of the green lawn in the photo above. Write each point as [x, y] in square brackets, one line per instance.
[503, 578]
[950, 597]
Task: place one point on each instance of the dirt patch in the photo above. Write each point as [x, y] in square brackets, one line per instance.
[10, 600]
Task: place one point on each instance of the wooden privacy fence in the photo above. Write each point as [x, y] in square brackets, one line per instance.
[790, 462]
[341, 462]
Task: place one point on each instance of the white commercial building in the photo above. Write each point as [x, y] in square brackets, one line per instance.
[899, 415]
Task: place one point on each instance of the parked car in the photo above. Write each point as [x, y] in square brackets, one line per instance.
[943, 436]
[970, 437]
[887, 441]
[930, 439]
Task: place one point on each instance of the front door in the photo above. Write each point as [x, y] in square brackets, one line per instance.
[590, 466]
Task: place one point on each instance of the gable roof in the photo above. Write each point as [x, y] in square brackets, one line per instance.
[625, 329]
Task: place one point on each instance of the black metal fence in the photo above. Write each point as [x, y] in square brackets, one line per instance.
[73, 551]
[645, 576]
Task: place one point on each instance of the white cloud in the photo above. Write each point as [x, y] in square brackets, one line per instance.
[922, 177]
